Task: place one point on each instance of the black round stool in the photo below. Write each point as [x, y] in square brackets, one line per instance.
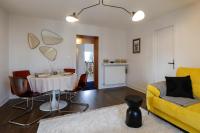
[133, 114]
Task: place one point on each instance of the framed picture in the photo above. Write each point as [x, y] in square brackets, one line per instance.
[136, 45]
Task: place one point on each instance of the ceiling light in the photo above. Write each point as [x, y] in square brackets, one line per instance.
[72, 18]
[79, 40]
[138, 16]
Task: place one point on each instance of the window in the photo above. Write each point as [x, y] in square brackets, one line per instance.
[88, 56]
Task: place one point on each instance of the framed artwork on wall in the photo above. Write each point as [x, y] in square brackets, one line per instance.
[136, 45]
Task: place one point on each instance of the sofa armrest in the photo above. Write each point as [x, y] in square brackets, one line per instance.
[151, 93]
[157, 89]
[153, 90]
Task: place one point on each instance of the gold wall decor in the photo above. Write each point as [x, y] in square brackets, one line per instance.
[33, 41]
[48, 52]
[51, 38]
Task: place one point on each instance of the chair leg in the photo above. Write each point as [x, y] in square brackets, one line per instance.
[69, 97]
[27, 103]
[77, 103]
[18, 107]
[36, 100]
[149, 112]
[58, 102]
[81, 104]
[13, 121]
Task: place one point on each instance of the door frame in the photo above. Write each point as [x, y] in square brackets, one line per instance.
[95, 41]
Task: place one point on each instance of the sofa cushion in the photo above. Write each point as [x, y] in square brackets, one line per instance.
[161, 86]
[181, 100]
[195, 77]
[179, 87]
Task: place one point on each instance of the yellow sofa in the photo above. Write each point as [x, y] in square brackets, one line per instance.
[187, 118]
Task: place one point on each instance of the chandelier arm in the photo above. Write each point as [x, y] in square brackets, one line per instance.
[117, 7]
[88, 8]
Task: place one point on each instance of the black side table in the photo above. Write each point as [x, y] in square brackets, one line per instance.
[133, 114]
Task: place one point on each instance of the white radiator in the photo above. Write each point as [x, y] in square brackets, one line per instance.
[115, 74]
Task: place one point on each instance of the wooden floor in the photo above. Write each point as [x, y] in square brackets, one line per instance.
[95, 99]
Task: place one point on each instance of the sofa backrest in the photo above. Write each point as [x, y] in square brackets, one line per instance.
[195, 77]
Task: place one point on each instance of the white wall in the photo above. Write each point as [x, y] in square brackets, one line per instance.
[112, 43]
[4, 95]
[187, 44]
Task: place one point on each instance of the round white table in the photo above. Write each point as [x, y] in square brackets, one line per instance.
[55, 84]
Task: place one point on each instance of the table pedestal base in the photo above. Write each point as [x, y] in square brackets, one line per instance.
[47, 106]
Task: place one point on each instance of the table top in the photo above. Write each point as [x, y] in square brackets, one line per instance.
[46, 82]
[47, 75]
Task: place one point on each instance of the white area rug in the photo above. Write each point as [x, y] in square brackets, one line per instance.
[104, 120]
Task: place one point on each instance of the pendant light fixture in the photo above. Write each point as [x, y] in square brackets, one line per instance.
[136, 16]
[72, 18]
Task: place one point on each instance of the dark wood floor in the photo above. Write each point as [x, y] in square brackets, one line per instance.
[95, 99]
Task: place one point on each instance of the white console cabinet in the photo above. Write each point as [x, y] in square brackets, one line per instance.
[115, 74]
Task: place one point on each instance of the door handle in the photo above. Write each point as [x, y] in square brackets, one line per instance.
[172, 63]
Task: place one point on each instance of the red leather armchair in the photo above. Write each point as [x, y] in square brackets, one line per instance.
[22, 73]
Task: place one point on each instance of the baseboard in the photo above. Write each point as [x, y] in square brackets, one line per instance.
[4, 101]
[137, 88]
[113, 86]
[11, 96]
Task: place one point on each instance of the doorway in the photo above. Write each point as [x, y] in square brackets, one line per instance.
[164, 53]
[87, 59]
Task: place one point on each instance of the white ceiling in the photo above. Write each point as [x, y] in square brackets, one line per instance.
[102, 16]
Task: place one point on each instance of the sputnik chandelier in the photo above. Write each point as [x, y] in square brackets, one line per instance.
[136, 16]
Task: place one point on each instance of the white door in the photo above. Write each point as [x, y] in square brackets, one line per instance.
[164, 53]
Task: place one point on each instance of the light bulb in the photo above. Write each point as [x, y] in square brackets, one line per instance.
[138, 16]
[71, 18]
